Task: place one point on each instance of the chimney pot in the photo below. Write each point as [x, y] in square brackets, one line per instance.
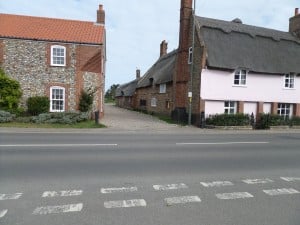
[138, 73]
[163, 48]
[296, 11]
[101, 15]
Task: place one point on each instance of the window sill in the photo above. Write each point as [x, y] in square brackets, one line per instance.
[241, 86]
[289, 89]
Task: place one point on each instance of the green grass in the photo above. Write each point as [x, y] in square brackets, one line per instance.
[83, 125]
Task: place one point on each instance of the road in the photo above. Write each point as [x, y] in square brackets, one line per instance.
[139, 178]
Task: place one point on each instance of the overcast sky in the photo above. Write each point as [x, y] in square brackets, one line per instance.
[135, 28]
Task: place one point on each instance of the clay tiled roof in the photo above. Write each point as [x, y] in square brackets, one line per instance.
[47, 29]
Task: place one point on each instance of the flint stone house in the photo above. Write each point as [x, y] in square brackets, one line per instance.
[230, 67]
[55, 57]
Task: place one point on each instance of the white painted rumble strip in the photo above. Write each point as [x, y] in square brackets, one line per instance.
[62, 193]
[58, 145]
[169, 187]
[3, 213]
[234, 195]
[10, 196]
[182, 200]
[121, 189]
[283, 191]
[125, 203]
[222, 143]
[216, 183]
[290, 179]
[58, 209]
[258, 181]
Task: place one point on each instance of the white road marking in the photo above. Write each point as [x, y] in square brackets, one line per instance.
[58, 209]
[169, 187]
[222, 143]
[216, 183]
[125, 203]
[62, 193]
[3, 213]
[10, 196]
[234, 195]
[114, 190]
[283, 191]
[59, 145]
[182, 200]
[258, 181]
[290, 179]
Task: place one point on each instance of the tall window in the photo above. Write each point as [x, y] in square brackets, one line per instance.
[58, 55]
[289, 81]
[153, 102]
[240, 77]
[57, 99]
[230, 107]
[162, 88]
[284, 109]
[190, 60]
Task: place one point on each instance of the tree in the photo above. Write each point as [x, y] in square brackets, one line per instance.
[86, 100]
[111, 92]
[10, 92]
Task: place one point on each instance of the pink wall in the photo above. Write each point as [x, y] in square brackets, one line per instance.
[218, 85]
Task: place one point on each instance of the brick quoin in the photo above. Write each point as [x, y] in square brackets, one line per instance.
[1, 51]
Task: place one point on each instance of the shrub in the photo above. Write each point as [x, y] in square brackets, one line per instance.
[60, 118]
[86, 101]
[6, 117]
[295, 121]
[264, 121]
[37, 105]
[229, 120]
[10, 92]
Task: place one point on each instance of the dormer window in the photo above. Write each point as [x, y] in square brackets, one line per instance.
[289, 81]
[240, 77]
[58, 55]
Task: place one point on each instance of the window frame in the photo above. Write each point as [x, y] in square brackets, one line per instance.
[163, 88]
[240, 78]
[289, 81]
[63, 99]
[190, 59]
[231, 107]
[153, 102]
[284, 109]
[53, 62]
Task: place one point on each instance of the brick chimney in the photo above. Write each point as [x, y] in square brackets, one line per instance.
[101, 15]
[294, 27]
[163, 48]
[138, 73]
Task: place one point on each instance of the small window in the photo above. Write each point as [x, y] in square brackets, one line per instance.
[58, 55]
[57, 99]
[230, 107]
[190, 60]
[143, 102]
[153, 102]
[162, 88]
[289, 81]
[167, 104]
[284, 110]
[240, 77]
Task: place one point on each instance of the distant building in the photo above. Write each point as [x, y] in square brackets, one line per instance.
[55, 57]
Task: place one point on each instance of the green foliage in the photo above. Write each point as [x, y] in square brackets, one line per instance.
[229, 120]
[6, 117]
[111, 92]
[264, 121]
[10, 92]
[295, 121]
[86, 101]
[37, 105]
[60, 118]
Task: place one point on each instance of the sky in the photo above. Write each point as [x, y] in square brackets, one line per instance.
[135, 28]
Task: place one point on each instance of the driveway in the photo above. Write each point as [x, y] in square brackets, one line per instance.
[122, 119]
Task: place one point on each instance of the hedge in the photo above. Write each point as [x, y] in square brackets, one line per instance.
[6, 117]
[229, 120]
[60, 118]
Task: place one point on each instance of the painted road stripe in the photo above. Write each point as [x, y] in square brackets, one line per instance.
[290, 179]
[258, 181]
[114, 190]
[3, 213]
[222, 143]
[67, 193]
[216, 183]
[169, 187]
[283, 191]
[59, 145]
[234, 195]
[10, 196]
[182, 200]
[58, 209]
[125, 203]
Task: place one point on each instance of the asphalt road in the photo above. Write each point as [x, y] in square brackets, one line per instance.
[234, 178]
